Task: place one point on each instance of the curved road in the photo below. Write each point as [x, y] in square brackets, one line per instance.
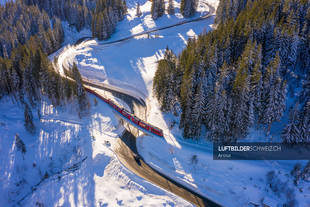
[127, 150]
[128, 155]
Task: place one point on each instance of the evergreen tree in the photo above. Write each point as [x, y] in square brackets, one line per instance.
[164, 81]
[5, 78]
[230, 9]
[197, 110]
[243, 115]
[218, 116]
[20, 144]
[291, 133]
[274, 93]
[30, 127]
[106, 15]
[138, 11]
[256, 82]
[306, 172]
[188, 7]
[305, 94]
[80, 91]
[304, 123]
[157, 9]
[170, 8]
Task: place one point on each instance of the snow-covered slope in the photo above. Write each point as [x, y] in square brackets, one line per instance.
[123, 64]
[69, 161]
[77, 154]
[132, 65]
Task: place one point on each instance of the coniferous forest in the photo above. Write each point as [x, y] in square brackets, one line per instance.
[32, 29]
[23, 19]
[243, 73]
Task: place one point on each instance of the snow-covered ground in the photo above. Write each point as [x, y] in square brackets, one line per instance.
[132, 65]
[124, 64]
[74, 155]
[64, 140]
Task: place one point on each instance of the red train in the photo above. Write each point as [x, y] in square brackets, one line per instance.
[129, 116]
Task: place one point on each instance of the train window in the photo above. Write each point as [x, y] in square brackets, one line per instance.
[154, 130]
[135, 120]
[127, 115]
[158, 132]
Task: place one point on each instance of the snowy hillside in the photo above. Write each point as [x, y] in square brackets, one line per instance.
[69, 161]
[131, 65]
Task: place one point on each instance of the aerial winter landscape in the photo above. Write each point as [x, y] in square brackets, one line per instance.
[122, 102]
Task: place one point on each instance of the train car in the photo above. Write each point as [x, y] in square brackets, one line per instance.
[129, 116]
[144, 125]
[156, 131]
[126, 114]
[115, 106]
[135, 120]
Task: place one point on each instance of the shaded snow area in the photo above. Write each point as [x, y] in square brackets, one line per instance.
[69, 161]
[133, 24]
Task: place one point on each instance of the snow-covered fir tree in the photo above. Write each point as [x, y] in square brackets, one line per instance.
[304, 123]
[274, 93]
[165, 81]
[188, 7]
[107, 14]
[305, 175]
[170, 8]
[230, 9]
[30, 127]
[80, 91]
[291, 133]
[158, 8]
[305, 93]
[138, 11]
[20, 144]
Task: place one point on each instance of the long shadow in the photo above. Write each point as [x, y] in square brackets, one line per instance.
[156, 177]
[60, 168]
